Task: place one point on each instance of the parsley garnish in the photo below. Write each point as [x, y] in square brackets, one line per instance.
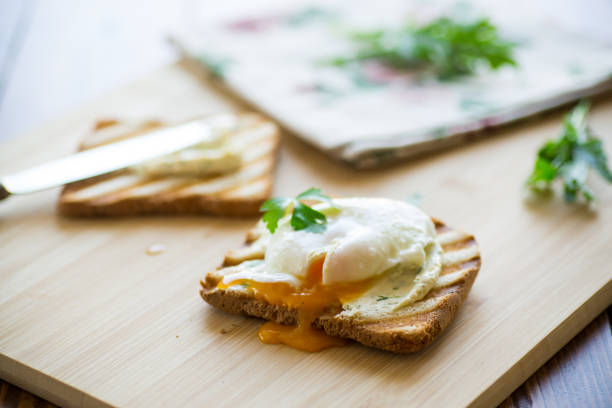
[303, 217]
[380, 297]
[570, 157]
[448, 48]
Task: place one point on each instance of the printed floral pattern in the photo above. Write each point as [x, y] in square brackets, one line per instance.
[370, 114]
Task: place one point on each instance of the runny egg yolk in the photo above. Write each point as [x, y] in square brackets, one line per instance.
[310, 300]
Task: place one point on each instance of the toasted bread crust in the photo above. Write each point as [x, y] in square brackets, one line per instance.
[400, 335]
[191, 205]
[178, 198]
[377, 334]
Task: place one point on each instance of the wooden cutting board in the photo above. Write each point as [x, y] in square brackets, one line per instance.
[88, 318]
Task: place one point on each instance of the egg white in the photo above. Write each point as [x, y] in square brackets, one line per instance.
[364, 238]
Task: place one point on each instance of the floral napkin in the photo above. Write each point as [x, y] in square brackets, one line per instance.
[370, 115]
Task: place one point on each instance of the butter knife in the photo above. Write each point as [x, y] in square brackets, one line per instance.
[115, 156]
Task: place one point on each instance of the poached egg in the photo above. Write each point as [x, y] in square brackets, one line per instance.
[364, 238]
[374, 257]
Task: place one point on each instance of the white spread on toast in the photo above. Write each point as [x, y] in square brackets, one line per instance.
[224, 153]
[221, 154]
[392, 243]
[256, 270]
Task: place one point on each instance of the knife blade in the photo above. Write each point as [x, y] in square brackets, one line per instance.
[115, 156]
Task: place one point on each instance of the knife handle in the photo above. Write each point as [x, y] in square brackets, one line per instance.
[3, 192]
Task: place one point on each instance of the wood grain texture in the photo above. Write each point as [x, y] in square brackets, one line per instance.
[15, 397]
[89, 319]
[578, 375]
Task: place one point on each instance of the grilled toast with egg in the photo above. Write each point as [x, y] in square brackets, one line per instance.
[127, 192]
[410, 329]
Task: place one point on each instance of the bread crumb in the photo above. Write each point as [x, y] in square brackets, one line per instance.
[156, 249]
[225, 331]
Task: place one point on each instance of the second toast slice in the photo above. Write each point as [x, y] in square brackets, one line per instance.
[127, 193]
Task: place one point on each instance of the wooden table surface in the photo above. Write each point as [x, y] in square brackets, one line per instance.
[577, 376]
[54, 56]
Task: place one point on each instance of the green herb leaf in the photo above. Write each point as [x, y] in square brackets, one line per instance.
[448, 48]
[274, 210]
[570, 158]
[380, 297]
[597, 158]
[303, 217]
[543, 172]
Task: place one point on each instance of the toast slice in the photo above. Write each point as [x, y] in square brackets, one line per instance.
[417, 325]
[126, 193]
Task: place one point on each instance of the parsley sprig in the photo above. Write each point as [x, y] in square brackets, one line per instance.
[570, 158]
[448, 48]
[303, 217]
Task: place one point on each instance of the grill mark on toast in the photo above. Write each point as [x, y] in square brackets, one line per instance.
[154, 187]
[440, 226]
[104, 123]
[252, 235]
[129, 182]
[231, 191]
[82, 184]
[237, 256]
[459, 255]
[451, 277]
[450, 236]
[475, 261]
[259, 150]
[217, 185]
[183, 184]
[410, 321]
[254, 187]
[255, 133]
[456, 245]
[241, 183]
